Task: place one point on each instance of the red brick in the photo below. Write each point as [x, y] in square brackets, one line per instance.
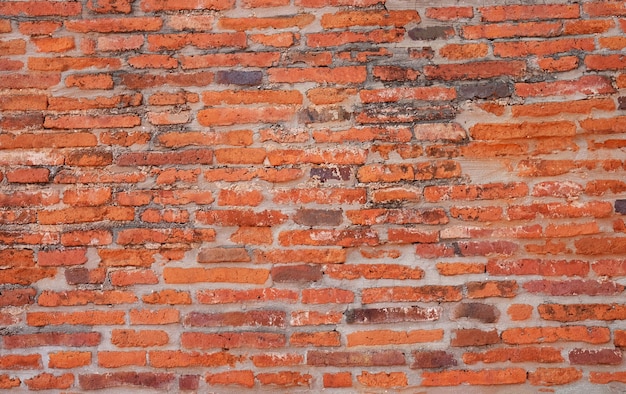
[178, 5]
[319, 339]
[69, 359]
[529, 12]
[595, 356]
[34, 28]
[383, 379]
[285, 379]
[563, 63]
[47, 381]
[237, 378]
[322, 40]
[115, 359]
[18, 297]
[39, 8]
[114, 25]
[396, 94]
[55, 45]
[538, 267]
[313, 256]
[154, 381]
[515, 355]
[588, 26]
[227, 296]
[229, 340]
[245, 217]
[168, 296]
[449, 13]
[85, 215]
[588, 85]
[28, 175]
[580, 312]
[260, 59]
[512, 30]
[39, 319]
[267, 318]
[251, 23]
[223, 275]
[346, 238]
[607, 377]
[20, 362]
[25, 276]
[199, 40]
[337, 380]
[451, 269]
[390, 337]
[542, 47]
[138, 338]
[482, 377]
[154, 317]
[76, 339]
[327, 296]
[232, 116]
[411, 294]
[554, 376]
[475, 192]
[337, 75]
[474, 337]
[355, 359]
[475, 70]
[110, 6]
[71, 63]
[280, 40]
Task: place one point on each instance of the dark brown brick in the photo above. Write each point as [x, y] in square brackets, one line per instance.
[431, 33]
[477, 311]
[296, 273]
[391, 315]
[595, 356]
[318, 217]
[433, 359]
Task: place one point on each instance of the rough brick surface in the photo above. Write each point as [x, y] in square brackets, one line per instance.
[308, 195]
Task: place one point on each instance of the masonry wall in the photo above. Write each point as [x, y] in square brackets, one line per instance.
[351, 195]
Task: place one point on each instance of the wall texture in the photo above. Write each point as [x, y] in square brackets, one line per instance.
[351, 195]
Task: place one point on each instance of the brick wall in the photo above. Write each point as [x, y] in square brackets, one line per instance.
[355, 195]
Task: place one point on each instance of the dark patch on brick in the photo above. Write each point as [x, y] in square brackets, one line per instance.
[488, 90]
[331, 173]
[431, 33]
[355, 359]
[434, 359]
[239, 77]
[391, 315]
[318, 217]
[620, 206]
[421, 53]
[323, 115]
[83, 276]
[477, 311]
[406, 113]
[595, 356]
[296, 273]
[622, 102]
